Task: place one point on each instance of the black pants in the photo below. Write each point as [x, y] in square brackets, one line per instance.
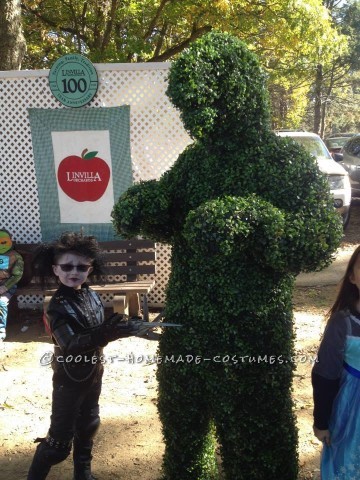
[74, 418]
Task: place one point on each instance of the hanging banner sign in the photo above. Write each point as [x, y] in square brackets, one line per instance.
[83, 165]
[73, 80]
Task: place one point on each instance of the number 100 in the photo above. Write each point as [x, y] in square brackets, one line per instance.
[72, 86]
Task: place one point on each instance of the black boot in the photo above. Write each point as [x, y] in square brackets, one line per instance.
[84, 476]
[38, 471]
[48, 453]
[82, 459]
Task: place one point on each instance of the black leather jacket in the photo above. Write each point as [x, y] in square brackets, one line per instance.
[73, 318]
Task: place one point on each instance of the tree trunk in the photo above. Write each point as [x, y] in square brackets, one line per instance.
[318, 97]
[323, 119]
[12, 41]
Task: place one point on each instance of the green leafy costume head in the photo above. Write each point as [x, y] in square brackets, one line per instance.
[5, 241]
[216, 84]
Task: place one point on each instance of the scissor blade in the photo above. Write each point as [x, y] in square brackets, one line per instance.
[148, 326]
[164, 324]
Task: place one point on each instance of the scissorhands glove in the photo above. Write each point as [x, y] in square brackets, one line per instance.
[115, 327]
[120, 326]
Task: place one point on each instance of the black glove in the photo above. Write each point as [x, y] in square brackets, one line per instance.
[116, 319]
[115, 327]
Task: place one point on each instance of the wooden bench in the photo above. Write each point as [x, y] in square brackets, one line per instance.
[125, 261]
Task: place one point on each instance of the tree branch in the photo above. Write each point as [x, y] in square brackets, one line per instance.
[181, 46]
[160, 41]
[153, 22]
[51, 23]
[109, 25]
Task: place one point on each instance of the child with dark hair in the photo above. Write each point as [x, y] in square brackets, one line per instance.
[75, 318]
[336, 381]
[11, 271]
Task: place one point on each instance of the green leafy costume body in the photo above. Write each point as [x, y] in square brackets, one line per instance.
[244, 211]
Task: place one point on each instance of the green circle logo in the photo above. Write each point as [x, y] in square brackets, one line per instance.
[73, 80]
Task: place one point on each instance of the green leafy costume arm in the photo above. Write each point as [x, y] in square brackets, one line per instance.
[250, 226]
[143, 210]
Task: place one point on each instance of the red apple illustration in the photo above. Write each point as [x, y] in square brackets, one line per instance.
[85, 178]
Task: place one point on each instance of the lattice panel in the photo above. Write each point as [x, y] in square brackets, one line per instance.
[157, 138]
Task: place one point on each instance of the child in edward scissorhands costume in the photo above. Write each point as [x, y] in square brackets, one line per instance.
[75, 319]
[244, 211]
[11, 271]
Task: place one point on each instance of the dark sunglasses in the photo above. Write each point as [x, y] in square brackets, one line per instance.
[67, 267]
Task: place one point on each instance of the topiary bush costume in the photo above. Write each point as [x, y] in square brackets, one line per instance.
[245, 211]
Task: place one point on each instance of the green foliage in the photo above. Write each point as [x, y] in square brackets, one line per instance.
[202, 79]
[244, 211]
[340, 89]
[230, 225]
[349, 21]
[291, 37]
[142, 210]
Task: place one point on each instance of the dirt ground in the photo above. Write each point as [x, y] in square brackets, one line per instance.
[129, 444]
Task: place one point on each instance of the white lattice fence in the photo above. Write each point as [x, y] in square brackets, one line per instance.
[157, 138]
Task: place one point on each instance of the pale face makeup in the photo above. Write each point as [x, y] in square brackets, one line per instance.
[72, 278]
